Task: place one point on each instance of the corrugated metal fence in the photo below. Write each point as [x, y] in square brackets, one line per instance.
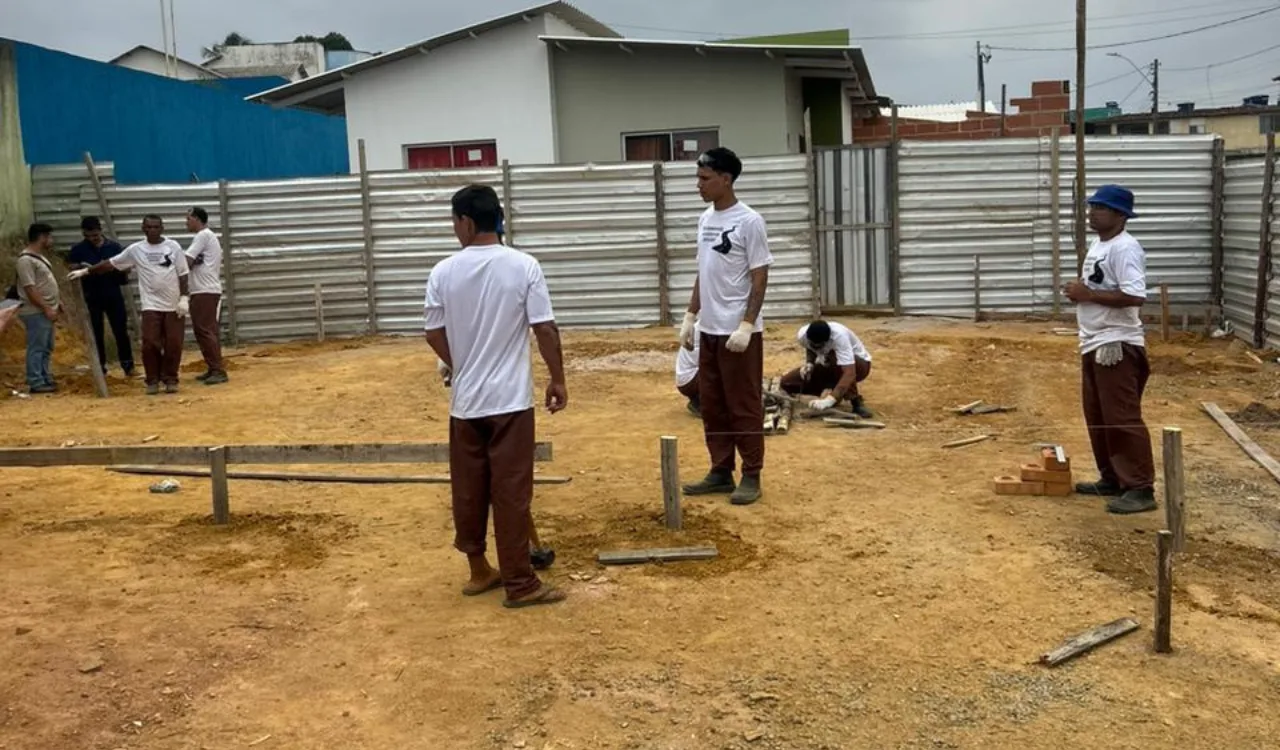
[56, 197]
[616, 241]
[1250, 225]
[977, 224]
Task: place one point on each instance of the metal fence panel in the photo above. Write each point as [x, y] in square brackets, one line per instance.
[853, 226]
[55, 191]
[1273, 285]
[1242, 220]
[777, 187]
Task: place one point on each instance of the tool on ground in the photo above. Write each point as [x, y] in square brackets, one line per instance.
[542, 557]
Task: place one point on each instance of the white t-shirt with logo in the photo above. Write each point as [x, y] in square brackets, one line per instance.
[731, 244]
[204, 256]
[844, 342]
[486, 298]
[1120, 264]
[687, 361]
[157, 268]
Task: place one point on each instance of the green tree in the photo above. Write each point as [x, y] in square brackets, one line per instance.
[234, 39]
[332, 42]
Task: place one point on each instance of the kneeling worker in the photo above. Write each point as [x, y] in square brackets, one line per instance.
[835, 360]
[687, 375]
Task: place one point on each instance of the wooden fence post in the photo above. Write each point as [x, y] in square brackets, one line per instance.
[228, 262]
[671, 483]
[508, 209]
[811, 179]
[90, 344]
[895, 233]
[319, 297]
[977, 288]
[1264, 246]
[366, 218]
[1055, 211]
[1164, 592]
[1216, 251]
[1175, 499]
[664, 252]
[221, 496]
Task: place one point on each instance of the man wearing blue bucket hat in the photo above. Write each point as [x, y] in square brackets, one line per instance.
[1114, 364]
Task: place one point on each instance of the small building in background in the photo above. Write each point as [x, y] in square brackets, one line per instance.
[1042, 113]
[151, 60]
[551, 84]
[1241, 127]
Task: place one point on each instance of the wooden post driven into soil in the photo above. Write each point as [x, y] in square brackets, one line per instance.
[671, 483]
[90, 345]
[1055, 226]
[1264, 246]
[664, 252]
[366, 221]
[221, 495]
[1164, 592]
[319, 296]
[228, 262]
[1164, 313]
[1174, 487]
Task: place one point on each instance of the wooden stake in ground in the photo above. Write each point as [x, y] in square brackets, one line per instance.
[1164, 313]
[221, 496]
[1088, 640]
[90, 343]
[1174, 487]
[671, 483]
[319, 295]
[1164, 591]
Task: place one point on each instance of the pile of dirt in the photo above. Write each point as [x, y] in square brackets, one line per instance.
[254, 545]
[627, 361]
[1258, 415]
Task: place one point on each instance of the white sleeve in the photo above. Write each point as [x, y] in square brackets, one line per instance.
[125, 259]
[800, 336]
[433, 307]
[198, 245]
[180, 260]
[537, 305]
[755, 241]
[1130, 269]
[845, 354]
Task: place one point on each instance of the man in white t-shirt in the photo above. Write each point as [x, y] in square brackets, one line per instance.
[835, 360]
[204, 256]
[480, 304]
[1113, 355]
[161, 269]
[725, 314]
[687, 376]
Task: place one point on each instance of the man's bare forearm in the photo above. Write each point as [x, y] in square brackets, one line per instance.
[695, 299]
[548, 336]
[183, 286]
[438, 340]
[755, 302]
[848, 376]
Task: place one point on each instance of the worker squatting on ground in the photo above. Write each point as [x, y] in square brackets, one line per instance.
[37, 289]
[103, 295]
[204, 257]
[725, 314]
[1113, 355]
[687, 375]
[480, 304]
[162, 286]
[835, 360]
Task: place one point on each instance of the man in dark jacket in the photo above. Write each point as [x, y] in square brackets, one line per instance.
[104, 294]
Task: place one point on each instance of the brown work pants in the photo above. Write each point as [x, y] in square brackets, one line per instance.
[1112, 399]
[204, 324]
[731, 402]
[161, 346]
[491, 463]
[824, 378]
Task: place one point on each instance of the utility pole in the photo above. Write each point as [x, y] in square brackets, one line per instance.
[1079, 193]
[983, 59]
[1155, 97]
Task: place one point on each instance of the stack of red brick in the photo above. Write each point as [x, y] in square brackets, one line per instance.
[1045, 111]
[1049, 477]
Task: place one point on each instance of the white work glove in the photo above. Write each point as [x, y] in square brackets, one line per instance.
[823, 403]
[740, 339]
[184, 306]
[806, 370]
[79, 273]
[446, 372]
[686, 330]
[1109, 355]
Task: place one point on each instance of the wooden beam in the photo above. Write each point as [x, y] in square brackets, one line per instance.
[1088, 640]
[670, 459]
[221, 496]
[1055, 208]
[1246, 443]
[366, 221]
[228, 262]
[508, 206]
[1164, 592]
[664, 252]
[968, 441]
[853, 424]
[1175, 498]
[671, 554]
[353, 453]
[319, 297]
[279, 476]
[1263, 282]
[90, 343]
[1164, 313]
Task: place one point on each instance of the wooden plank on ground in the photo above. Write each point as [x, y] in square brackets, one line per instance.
[853, 424]
[1088, 640]
[664, 554]
[190, 455]
[968, 441]
[278, 476]
[1246, 443]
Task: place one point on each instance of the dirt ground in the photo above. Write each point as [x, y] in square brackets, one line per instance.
[880, 596]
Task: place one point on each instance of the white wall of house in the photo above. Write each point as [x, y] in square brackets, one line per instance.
[252, 59]
[496, 87]
[152, 61]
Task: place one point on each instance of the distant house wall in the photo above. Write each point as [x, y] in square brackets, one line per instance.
[235, 61]
[162, 130]
[152, 61]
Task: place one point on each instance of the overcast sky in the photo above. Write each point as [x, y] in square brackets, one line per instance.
[919, 51]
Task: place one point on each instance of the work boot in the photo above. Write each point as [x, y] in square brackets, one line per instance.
[153, 389]
[715, 483]
[1100, 488]
[205, 376]
[217, 377]
[694, 410]
[170, 387]
[860, 409]
[748, 491]
[1133, 501]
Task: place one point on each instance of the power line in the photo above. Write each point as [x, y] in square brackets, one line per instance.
[1113, 79]
[1226, 62]
[1174, 35]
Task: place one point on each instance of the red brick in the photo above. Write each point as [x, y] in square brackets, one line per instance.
[1050, 88]
[969, 126]
[1015, 486]
[1037, 473]
[1054, 103]
[1026, 104]
[1047, 119]
[1058, 490]
[1049, 460]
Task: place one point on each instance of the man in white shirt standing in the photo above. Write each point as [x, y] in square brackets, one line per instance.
[687, 376]
[1113, 355]
[161, 269]
[480, 304]
[725, 313]
[204, 257]
[836, 360]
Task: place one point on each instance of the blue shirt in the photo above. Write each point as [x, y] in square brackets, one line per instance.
[100, 286]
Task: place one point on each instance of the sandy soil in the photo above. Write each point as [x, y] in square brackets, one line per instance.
[881, 596]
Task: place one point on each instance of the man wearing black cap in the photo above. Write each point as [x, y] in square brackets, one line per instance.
[1114, 358]
[724, 312]
[835, 360]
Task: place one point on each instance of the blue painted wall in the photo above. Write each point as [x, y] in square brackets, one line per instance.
[243, 87]
[157, 129]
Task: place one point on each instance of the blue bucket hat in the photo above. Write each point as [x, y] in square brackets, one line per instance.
[1116, 198]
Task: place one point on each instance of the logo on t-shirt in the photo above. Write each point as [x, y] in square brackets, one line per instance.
[166, 260]
[725, 244]
[1097, 276]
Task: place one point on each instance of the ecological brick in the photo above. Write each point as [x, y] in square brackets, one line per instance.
[1053, 489]
[1015, 486]
[1037, 473]
[1049, 461]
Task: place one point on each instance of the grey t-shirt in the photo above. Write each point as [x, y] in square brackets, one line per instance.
[35, 271]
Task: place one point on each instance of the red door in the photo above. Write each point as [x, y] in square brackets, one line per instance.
[479, 154]
[430, 157]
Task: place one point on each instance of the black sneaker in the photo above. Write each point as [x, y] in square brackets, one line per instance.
[715, 483]
[1133, 501]
[1100, 488]
[205, 376]
[45, 389]
[860, 409]
[216, 377]
[153, 389]
[694, 410]
[170, 387]
[748, 491]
